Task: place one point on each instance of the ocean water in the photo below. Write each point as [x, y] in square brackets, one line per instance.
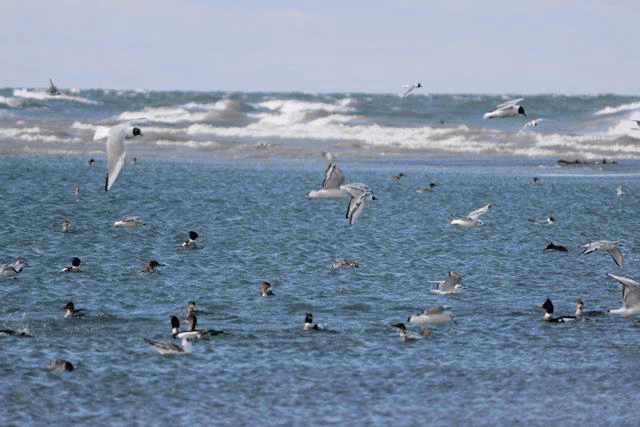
[499, 364]
[249, 125]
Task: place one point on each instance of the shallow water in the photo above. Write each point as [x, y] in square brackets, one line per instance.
[500, 364]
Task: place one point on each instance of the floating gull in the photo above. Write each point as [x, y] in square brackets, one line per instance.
[471, 220]
[75, 266]
[548, 220]
[630, 296]
[165, 348]
[115, 146]
[359, 195]
[435, 315]
[130, 221]
[548, 316]
[449, 286]
[409, 89]
[604, 245]
[620, 190]
[11, 269]
[344, 263]
[333, 179]
[581, 313]
[506, 109]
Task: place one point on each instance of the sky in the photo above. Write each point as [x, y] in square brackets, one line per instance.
[454, 46]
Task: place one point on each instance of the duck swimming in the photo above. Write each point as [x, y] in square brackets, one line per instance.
[190, 243]
[150, 267]
[71, 312]
[75, 266]
[265, 289]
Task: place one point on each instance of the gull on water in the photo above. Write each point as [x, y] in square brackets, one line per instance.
[129, 221]
[581, 313]
[60, 365]
[604, 245]
[265, 289]
[630, 296]
[506, 109]
[471, 220]
[409, 89]
[344, 263]
[333, 179]
[167, 348]
[115, 146]
[359, 195]
[620, 189]
[449, 286]
[71, 311]
[11, 269]
[75, 266]
[548, 316]
[434, 315]
[548, 220]
[190, 243]
[150, 267]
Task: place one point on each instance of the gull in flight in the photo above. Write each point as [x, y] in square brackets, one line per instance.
[333, 179]
[604, 245]
[115, 146]
[359, 195]
[450, 286]
[506, 109]
[532, 123]
[10, 269]
[471, 220]
[408, 89]
[630, 296]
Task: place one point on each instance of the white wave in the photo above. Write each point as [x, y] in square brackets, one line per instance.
[12, 101]
[37, 134]
[44, 96]
[615, 110]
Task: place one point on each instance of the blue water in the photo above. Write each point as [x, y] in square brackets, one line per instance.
[499, 364]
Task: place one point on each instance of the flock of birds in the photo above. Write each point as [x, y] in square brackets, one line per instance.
[359, 195]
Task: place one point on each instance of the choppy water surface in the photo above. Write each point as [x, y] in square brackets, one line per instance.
[500, 364]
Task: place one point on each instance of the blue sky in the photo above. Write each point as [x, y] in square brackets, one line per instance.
[584, 47]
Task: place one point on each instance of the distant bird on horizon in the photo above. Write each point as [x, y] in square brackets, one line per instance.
[409, 89]
[506, 109]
